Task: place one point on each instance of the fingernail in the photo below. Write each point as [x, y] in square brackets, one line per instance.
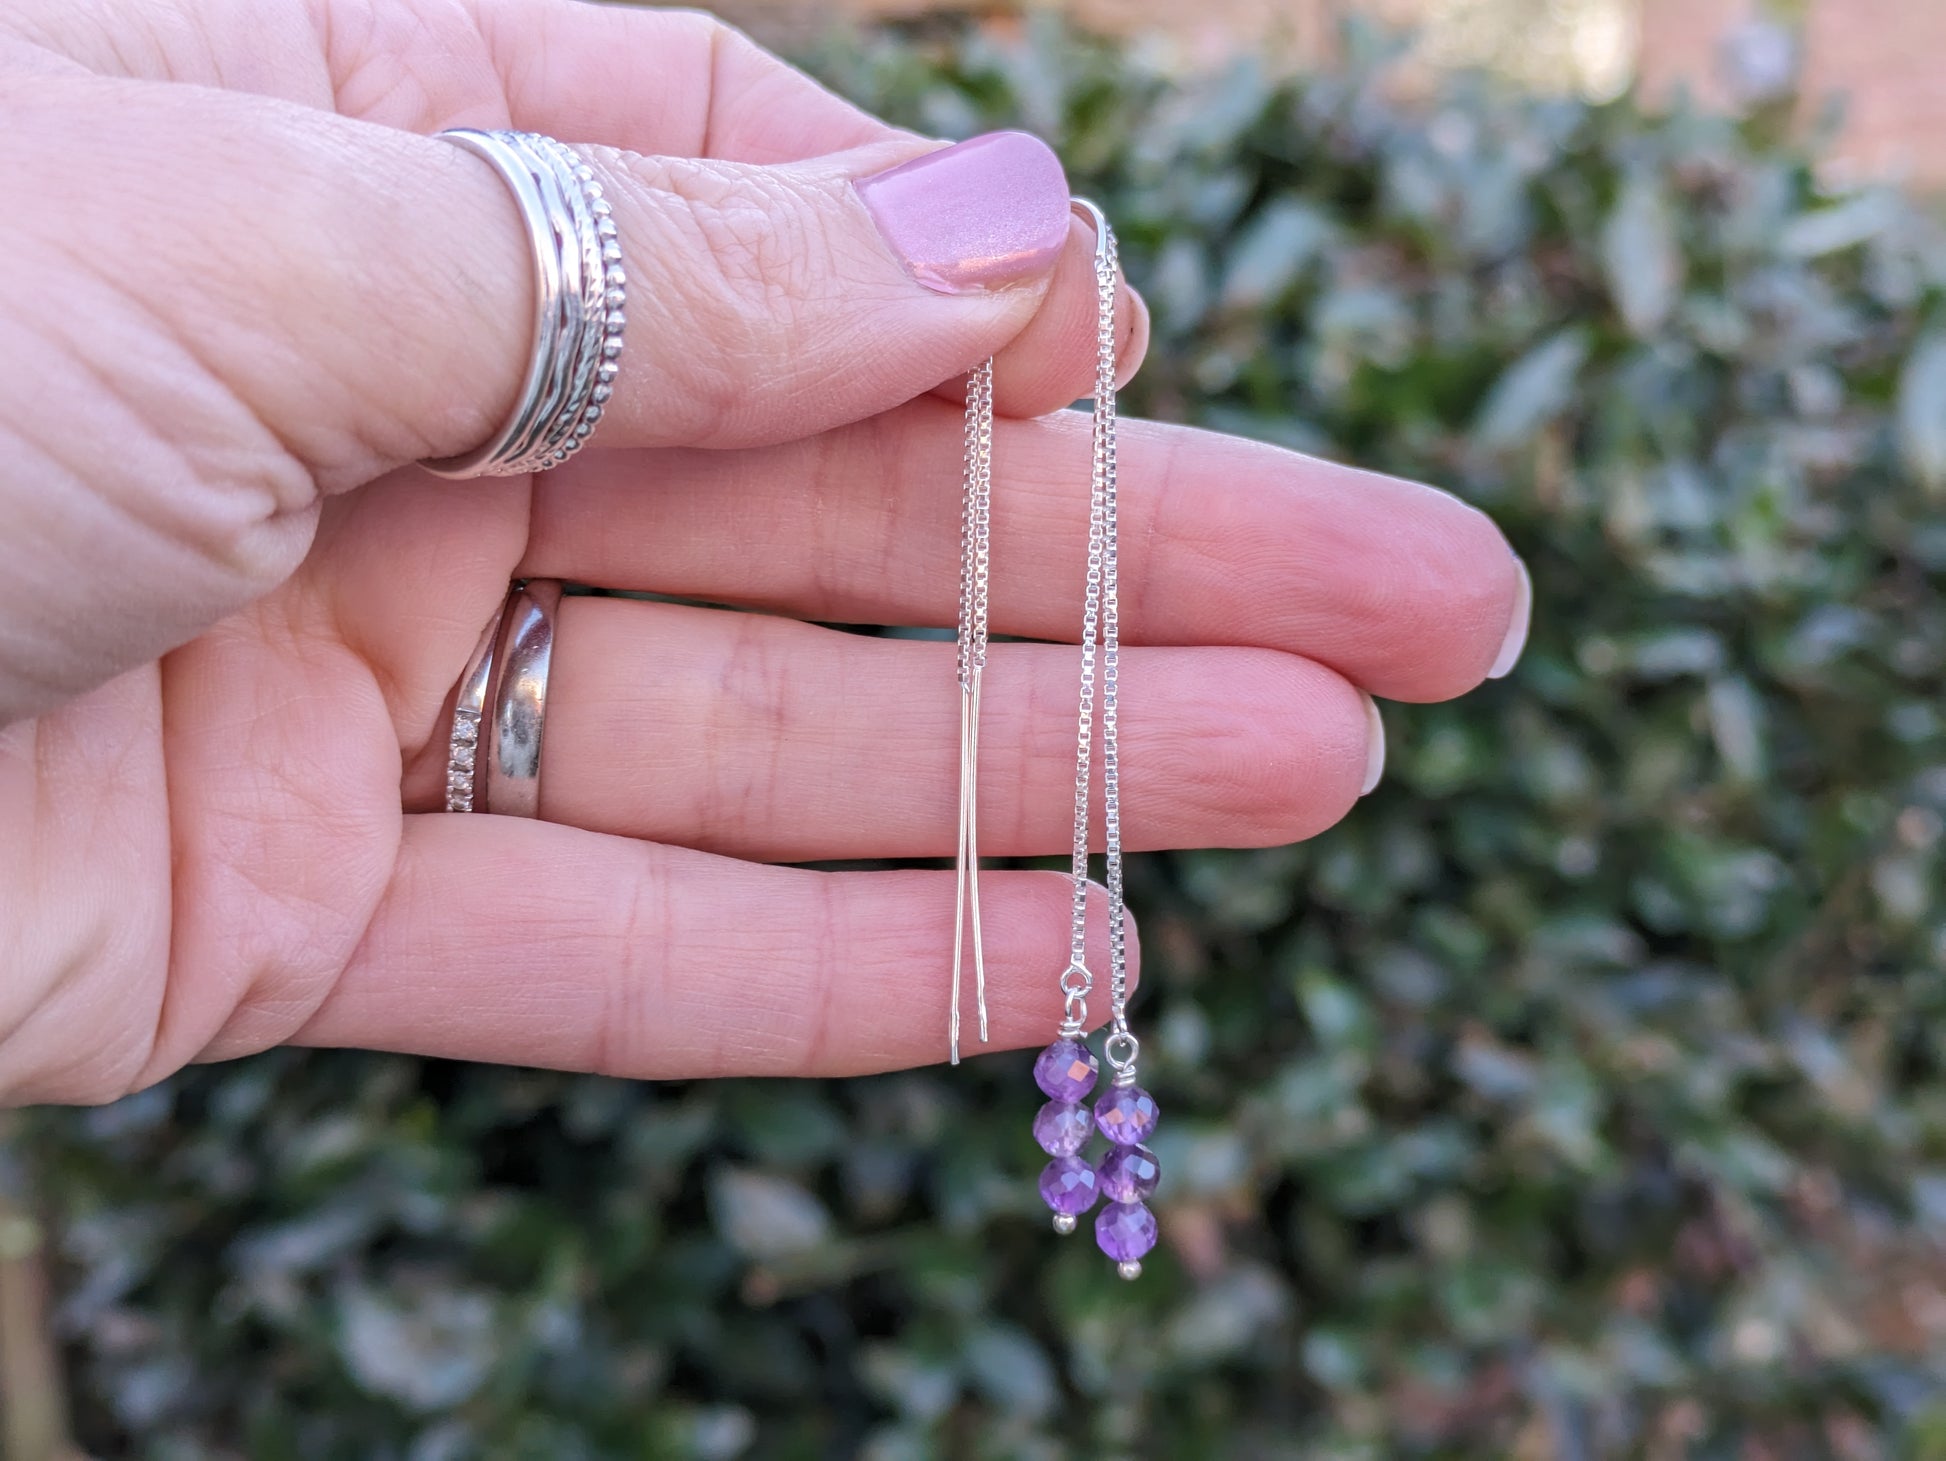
[1374, 745]
[1516, 639]
[980, 214]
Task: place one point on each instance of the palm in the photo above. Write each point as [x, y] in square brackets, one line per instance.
[228, 819]
[236, 846]
[291, 735]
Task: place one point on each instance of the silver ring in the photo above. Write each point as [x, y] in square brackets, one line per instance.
[580, 305]
[469, 707]
[526, 654]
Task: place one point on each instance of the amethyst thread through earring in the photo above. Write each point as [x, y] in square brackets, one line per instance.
[1066, 1071]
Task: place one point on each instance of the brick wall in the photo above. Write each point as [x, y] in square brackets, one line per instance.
[1679, 40]
[1885, 56]
[1881, 56]
[1207, 30]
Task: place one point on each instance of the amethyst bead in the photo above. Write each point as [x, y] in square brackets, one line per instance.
[1126, 1115]
[1066, 1070]
[1125, 1231]
[1068, 1185]
[1063, 1128]
[1128, 1173]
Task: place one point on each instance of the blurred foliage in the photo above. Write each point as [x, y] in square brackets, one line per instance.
[1579, 1097]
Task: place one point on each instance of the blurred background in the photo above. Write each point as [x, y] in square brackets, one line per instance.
[1879, 54]
[1579, 1097]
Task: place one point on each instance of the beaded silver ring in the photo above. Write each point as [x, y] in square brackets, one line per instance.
[580, 305]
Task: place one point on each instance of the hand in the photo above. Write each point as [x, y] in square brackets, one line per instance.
[243, 291]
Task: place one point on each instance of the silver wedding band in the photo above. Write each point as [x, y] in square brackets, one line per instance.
[580, 305]
[513, 738]
[500, 707]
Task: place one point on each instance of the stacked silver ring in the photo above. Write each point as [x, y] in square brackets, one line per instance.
[580, 305]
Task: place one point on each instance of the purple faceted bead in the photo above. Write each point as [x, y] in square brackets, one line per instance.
[1063, 1128]
[1125, 1230]
[1126, 1115]
[1128, 1173]
[1068, 1185]
[1066, 1070]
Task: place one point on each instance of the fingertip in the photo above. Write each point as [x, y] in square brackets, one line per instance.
[1515, 642]
[1051, 362]
[1439, 597]
[1133, 936]
[1374, 746]
[1132, 340]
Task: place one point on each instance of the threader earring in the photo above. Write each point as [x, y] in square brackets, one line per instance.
[975, 554]
[1127, 1173]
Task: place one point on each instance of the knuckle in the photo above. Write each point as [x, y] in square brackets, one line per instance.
[730, 256]
[704, 28]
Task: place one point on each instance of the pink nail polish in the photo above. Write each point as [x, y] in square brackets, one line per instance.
[980, 214]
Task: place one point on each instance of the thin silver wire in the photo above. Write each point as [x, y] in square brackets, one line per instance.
[1101, 655]
[976, 519]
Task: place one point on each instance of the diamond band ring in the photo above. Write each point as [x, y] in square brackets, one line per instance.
[580, 305]
[469, 709]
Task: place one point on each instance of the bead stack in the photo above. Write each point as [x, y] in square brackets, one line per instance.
[1127, 1173]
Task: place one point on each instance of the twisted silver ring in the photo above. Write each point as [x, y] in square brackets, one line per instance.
[580, 305]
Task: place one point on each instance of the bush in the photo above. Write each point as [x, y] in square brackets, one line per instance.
[1578, 1097]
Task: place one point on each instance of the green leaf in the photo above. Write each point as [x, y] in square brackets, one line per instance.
[1271, 252]
[1011, 1369]
[1641, 255]
[1922, 411]
[1535, 390]
[426, 1351]
[1736, 716]
[1855, 221]
[767, 1217]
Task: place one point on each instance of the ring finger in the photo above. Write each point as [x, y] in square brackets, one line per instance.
[768, 738]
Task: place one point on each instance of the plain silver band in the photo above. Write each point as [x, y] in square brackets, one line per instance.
[513, 734]
[469, 709]
[580, 300]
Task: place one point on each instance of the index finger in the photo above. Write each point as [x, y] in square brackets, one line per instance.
[1404, 590]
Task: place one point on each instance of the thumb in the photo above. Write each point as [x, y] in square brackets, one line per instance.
[765, 303]
[768, 303]
[275, 303]
[781, 301]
